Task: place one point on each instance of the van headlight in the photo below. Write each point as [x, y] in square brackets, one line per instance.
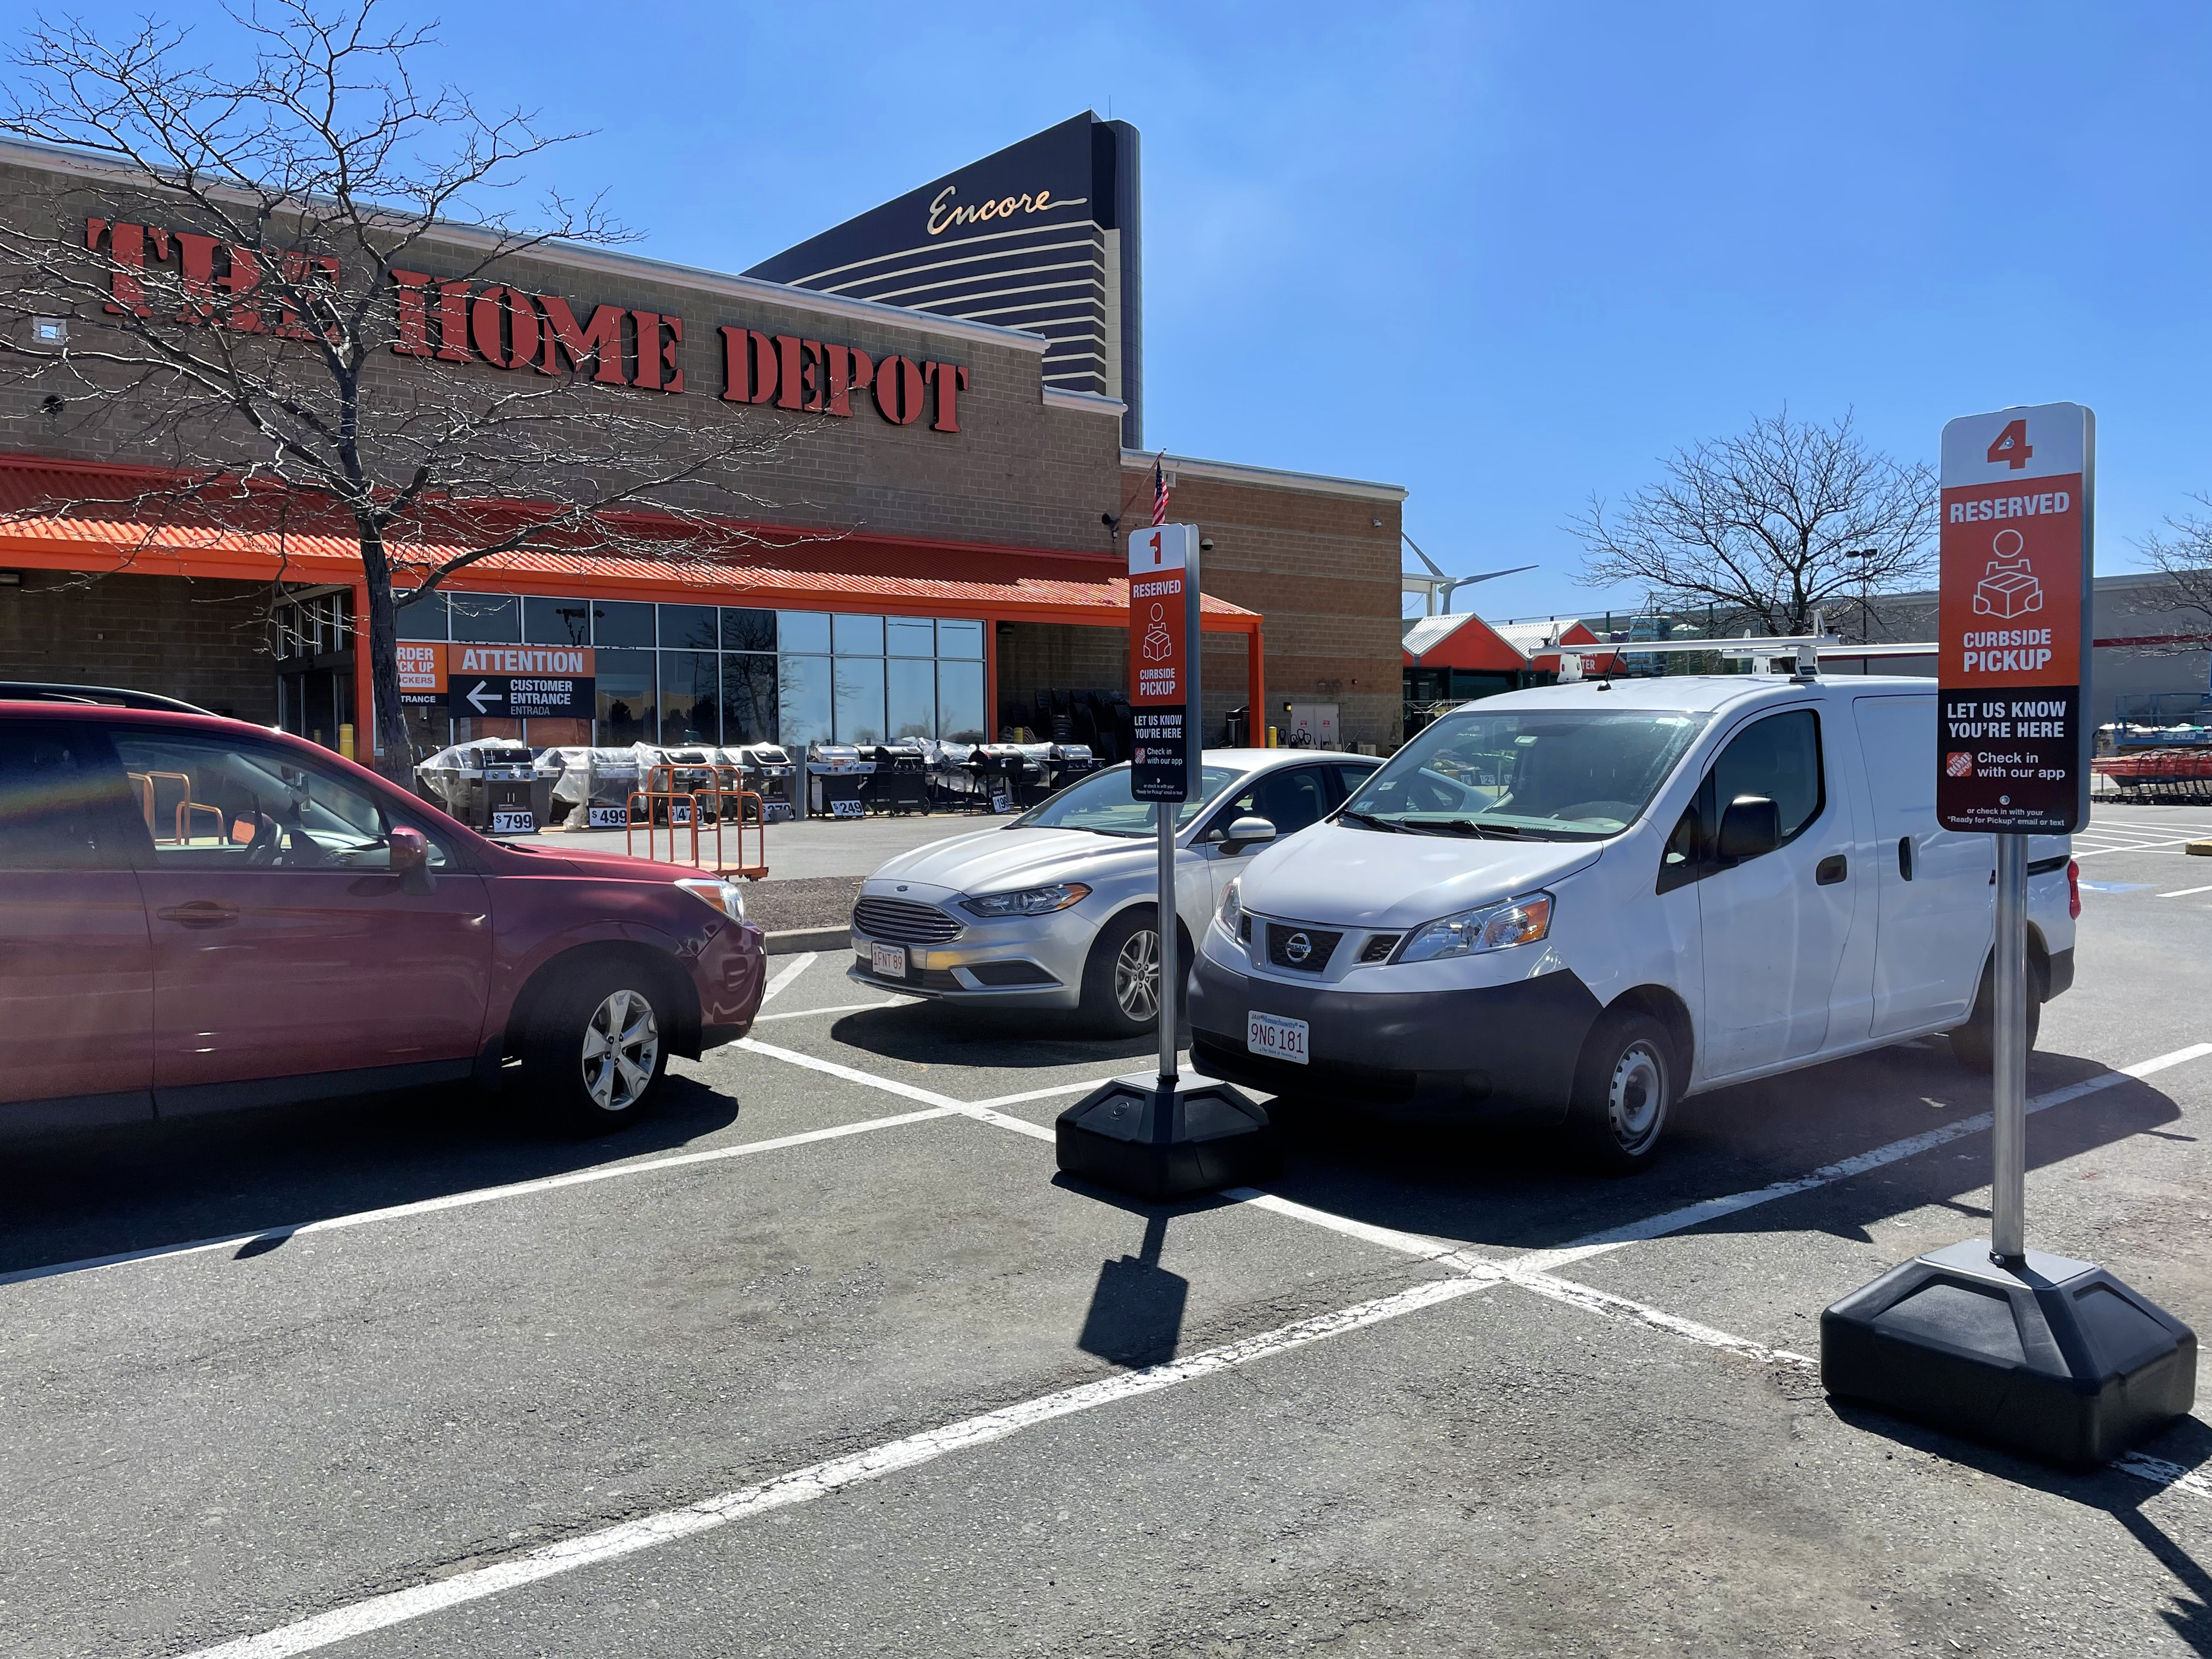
[1230, 915]
[1521, 920]
[1029, 902]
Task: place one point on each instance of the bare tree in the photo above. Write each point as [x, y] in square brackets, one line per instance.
[251, 302]
[2182, 554]
[1767, 526]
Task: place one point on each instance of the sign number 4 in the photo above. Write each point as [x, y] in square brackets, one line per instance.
[2011, 446]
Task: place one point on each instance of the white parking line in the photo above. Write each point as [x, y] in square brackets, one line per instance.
[981, 1112]
[817, 1479]
[2139, 847]
[2186, 892]
[839, 1008]
[798, 965]
[479, 1195]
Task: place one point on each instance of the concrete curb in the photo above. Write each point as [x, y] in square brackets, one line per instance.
[792, 940]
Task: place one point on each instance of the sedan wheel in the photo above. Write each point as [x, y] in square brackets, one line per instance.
[1137, 977]
[1121, 979]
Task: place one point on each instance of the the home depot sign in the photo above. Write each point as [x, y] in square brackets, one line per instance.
[511, 328]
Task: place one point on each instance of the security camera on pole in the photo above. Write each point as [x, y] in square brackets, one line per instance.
[2042, 1355]
[1166, 1137]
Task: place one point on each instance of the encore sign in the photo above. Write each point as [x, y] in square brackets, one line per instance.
[506, 327]
[2014, 631]
[1163, 642]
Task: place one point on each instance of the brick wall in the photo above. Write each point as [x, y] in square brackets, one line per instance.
[1057, 657]
[205, 642]
[1323, 571]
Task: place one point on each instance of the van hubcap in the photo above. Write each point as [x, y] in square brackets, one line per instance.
[622, 1047]
[1137, 976]
[1635, 1097]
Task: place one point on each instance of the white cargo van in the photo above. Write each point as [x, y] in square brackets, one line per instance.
[1585, 901]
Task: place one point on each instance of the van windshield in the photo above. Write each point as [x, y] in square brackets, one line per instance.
[1526, 773]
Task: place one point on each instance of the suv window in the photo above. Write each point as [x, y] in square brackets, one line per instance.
[208, 803]
[1290, 800]
[51, 800]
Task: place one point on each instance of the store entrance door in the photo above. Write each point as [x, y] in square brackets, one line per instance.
[315, 703]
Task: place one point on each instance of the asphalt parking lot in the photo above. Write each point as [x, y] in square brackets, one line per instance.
[824, 1360]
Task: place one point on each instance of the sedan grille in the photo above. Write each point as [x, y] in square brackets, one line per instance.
[1302, 950]
[903, 922]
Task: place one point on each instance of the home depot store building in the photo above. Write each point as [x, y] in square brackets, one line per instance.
[930, 553]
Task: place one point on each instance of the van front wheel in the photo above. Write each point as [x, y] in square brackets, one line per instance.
[1624, 1088]
[1975, 1043]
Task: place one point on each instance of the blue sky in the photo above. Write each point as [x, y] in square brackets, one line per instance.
[1503, 255]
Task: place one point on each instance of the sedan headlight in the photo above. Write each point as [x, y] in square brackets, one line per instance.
[1029, 902]
[1518, 921]
[1231, 914]
[724, 896]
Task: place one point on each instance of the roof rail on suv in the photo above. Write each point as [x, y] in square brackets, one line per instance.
[43, 691]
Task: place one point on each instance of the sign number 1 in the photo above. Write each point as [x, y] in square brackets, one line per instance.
[1155, 547]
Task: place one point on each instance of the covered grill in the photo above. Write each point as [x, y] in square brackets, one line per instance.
[491, 784]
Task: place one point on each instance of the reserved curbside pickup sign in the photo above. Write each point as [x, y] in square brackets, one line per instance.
[2015, 620]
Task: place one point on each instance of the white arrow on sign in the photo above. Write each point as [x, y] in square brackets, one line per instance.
[477, 697]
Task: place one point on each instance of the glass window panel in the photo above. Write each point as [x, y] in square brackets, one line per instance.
[618, 621]
[549, 732]
[486, 618]
[960, 639]
[556, 622]
[803, 700]
[425, 619]
[690, 696]
[749, 699]
[960, 702]
[802, 630]
[909, 636]
[911, 692]
[624, 696]
[859, 636]
[860, 699]
[692, 627]
[749, 630]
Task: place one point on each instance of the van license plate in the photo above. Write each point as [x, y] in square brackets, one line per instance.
[890, 961]
[513, 823]
[1276, 1038]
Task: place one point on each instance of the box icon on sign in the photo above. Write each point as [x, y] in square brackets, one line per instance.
[2008, 586]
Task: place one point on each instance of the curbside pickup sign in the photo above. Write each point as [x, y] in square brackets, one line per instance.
[2012, 747]
[1164, 707]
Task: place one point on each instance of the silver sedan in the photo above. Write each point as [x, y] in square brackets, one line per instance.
[1056, 909]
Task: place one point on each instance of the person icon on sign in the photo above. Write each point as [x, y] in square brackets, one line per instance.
[1156, 645]
[2008, 586]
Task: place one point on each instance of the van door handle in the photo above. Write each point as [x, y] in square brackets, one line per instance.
[1905, 857]
[1831, 870]
[200, 913]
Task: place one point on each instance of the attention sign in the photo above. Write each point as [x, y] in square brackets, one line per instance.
[498, 682]
[2012, 747]
[1163, 636]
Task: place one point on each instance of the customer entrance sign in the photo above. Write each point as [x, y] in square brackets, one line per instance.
[1163, 637]
[2015, 620]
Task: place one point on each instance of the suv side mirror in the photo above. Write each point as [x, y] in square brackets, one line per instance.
[1751, 825]
[411, 860]
[1249, 832]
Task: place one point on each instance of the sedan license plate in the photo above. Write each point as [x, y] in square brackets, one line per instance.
[523, 823]
[890, 961]
[1274, 1037]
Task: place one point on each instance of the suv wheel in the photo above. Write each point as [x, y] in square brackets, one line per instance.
[1624, 1088]
[596, 1050]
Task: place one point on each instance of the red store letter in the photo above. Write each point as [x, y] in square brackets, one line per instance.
[413, 339]
[950, 381]
[453, 322]
[899, 387]
[600, 338]
[749, 375]
[196, 256]
[126, 256]
[240, 281]
[851, 369]
[671, 355]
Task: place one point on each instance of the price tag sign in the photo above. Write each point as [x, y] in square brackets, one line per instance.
[2012, 747]
[1163, 638]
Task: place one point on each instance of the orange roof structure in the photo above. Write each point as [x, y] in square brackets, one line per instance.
[1462, 641]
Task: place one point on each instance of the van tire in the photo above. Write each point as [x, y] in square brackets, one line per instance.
[1975, 1043]
[582, 1050]
[1625, 1086]
[1116, 961]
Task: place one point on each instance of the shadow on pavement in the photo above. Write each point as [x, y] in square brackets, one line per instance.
[985, 1039]
[68, 1198]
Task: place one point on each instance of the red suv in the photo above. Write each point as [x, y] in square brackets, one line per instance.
[197, 914]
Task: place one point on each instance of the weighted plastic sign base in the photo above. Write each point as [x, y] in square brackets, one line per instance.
[1162, 1144]
[2058, 1360]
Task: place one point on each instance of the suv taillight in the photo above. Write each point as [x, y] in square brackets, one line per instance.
[2072, 889]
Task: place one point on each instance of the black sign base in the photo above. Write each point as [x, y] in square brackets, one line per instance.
[2056, 1360]
[1162, 1144]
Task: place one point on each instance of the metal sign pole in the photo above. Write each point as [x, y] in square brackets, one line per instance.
[1171, 958]
[2009, 1071]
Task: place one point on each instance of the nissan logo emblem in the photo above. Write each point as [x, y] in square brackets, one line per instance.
[1297, 947]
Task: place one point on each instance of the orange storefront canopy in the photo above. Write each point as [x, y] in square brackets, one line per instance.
[1463, 642]
[62, 515]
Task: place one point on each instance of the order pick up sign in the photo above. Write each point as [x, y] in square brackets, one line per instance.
[2012, 747]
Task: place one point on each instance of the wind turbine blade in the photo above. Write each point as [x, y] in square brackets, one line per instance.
[1422, 556]
[1489, 575]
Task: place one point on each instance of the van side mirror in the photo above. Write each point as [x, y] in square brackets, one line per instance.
[1249, 832]
[1751, 825]
[411, 860]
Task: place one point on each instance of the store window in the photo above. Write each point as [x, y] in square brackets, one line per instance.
[802, 631]
[624, 698]
[690, 696]
[486, 618]
[860, 682]
[556, 622]
[960, 702]
[910, 698]
[688, 628]
[749, 710]
[425, 619]
[622, 622]
[909, 636]
[960, 639]
[803, 701]
[856, 636]
[748, 630]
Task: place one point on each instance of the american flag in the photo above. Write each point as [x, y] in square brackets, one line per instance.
[1159, 490]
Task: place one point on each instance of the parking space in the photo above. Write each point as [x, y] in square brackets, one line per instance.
[825, 1359]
